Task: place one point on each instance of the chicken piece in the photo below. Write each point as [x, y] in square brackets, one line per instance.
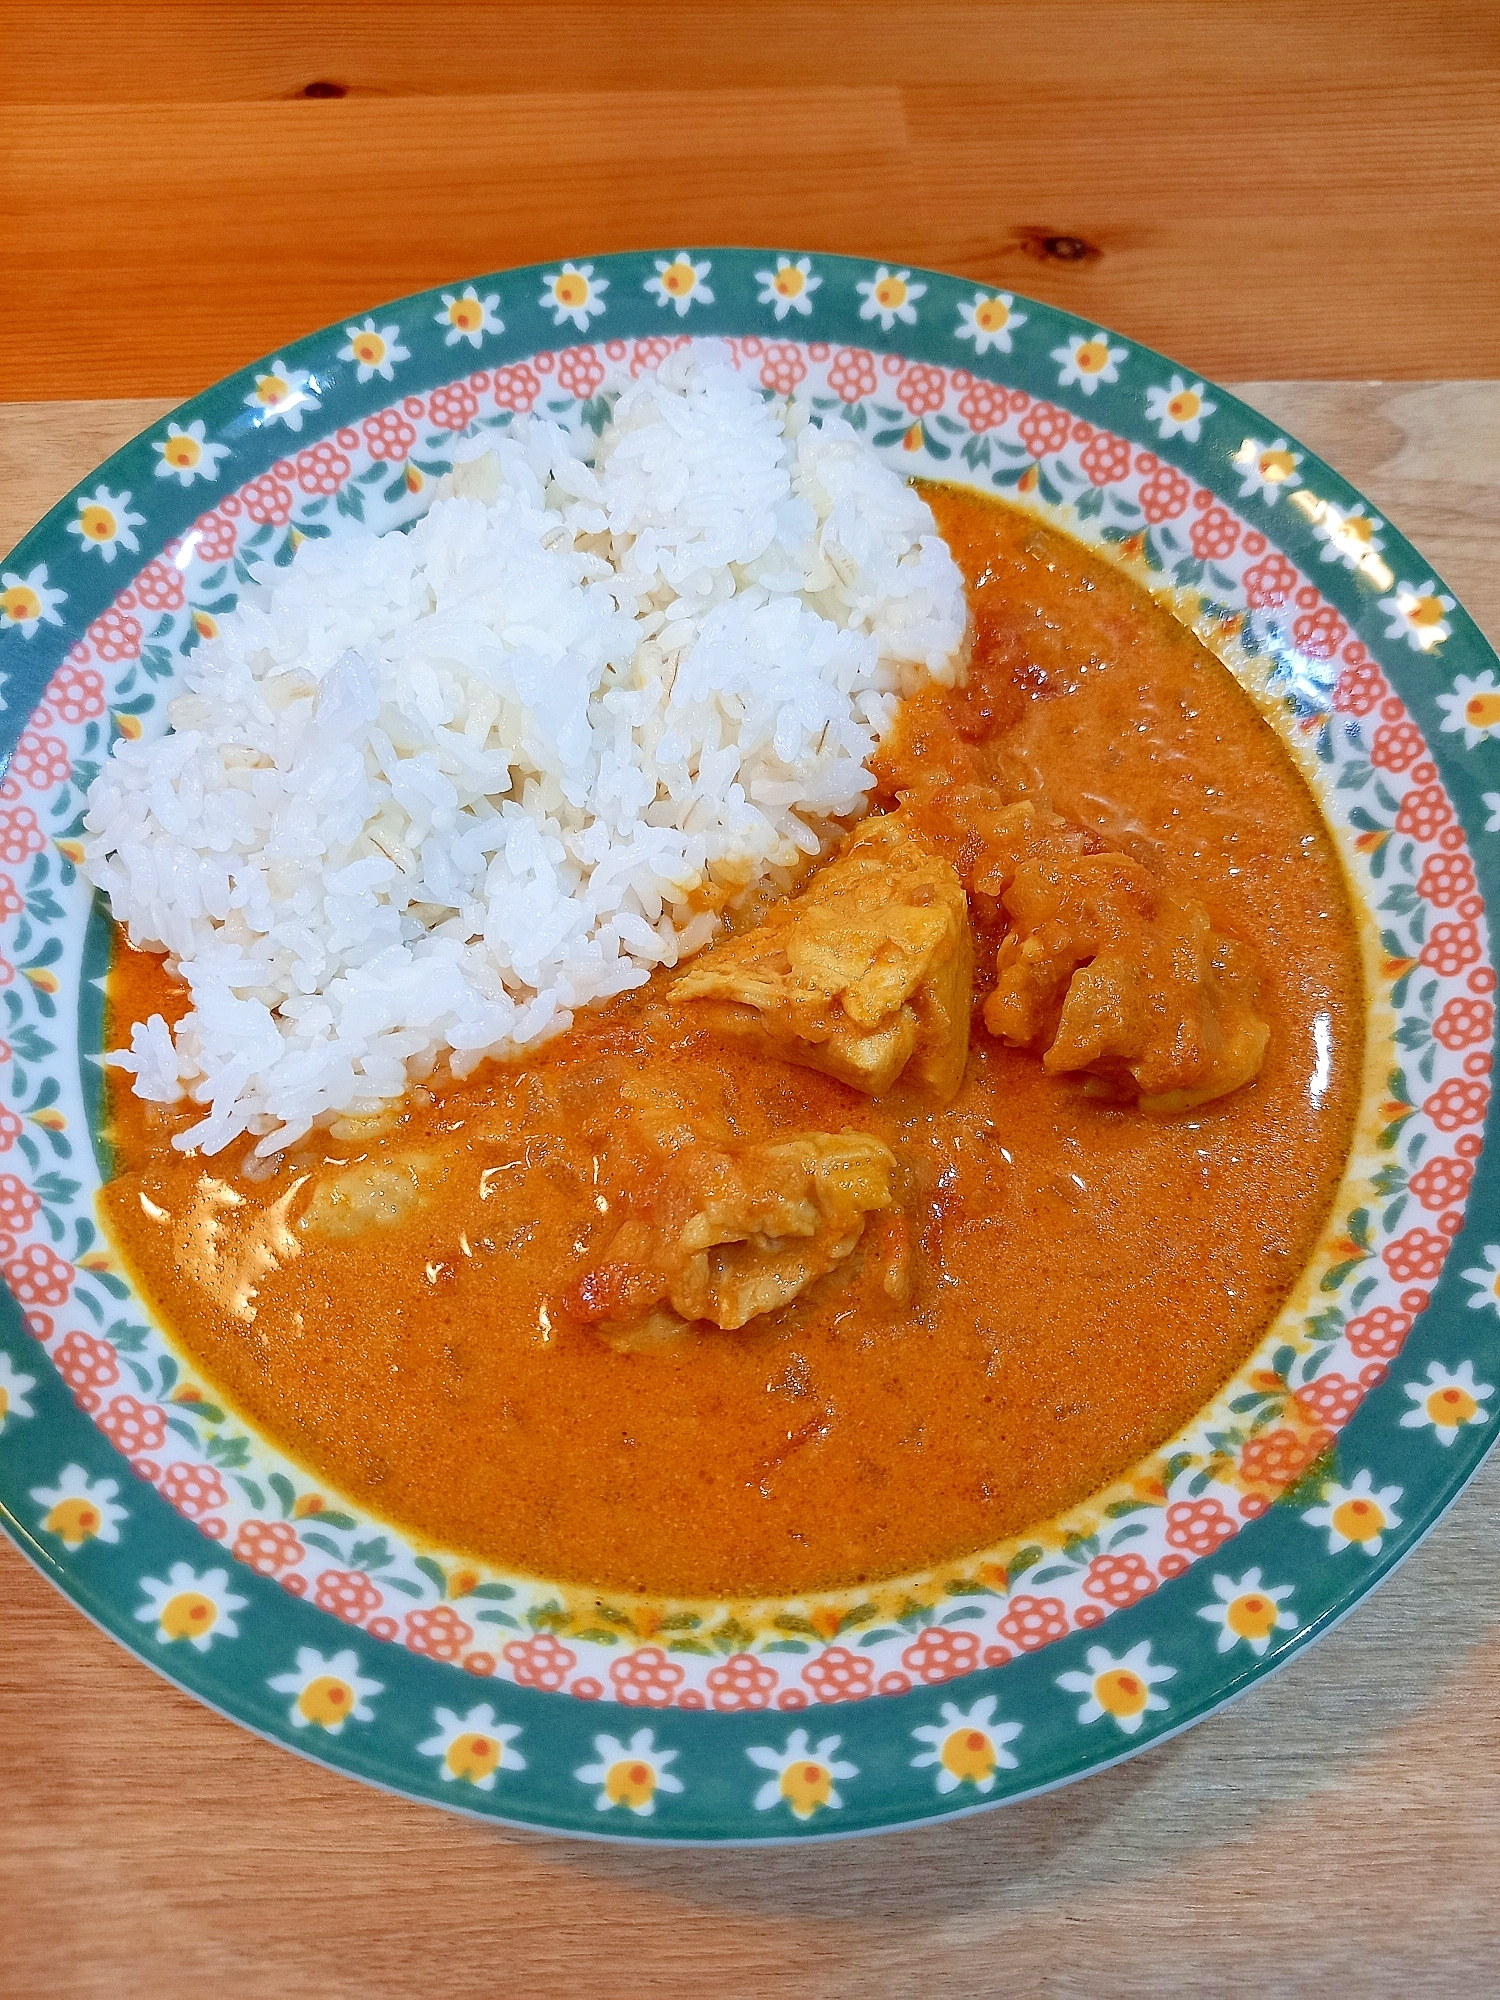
[373, 1193]
[662, 1110]
[1108, 971]
[1010, 836]
[866, 975]
[735, 1232]
[987, 840]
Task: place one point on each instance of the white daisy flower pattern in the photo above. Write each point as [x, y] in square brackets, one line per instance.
[1348, 537]
[187, 1606]
[1179, 409]
[1487, 1275]
[1124, 1689]
[13, 1388]
[1356, 1516]
[283, 396]
[1088, 360]
[469, 317]
[890, 296]
[1248, 1611]
[327, 1693]
[789, 288]
[186, 455]
[374, 350]
[26, 602]
[989, 319]
[629, 1775]
[968, 1746]
[474, 1747]
[1267, 469]
[680, 282]
[1416, 612]
[106, 523]
[78, 1509]
[804, 1778]
[1473, 705]
[1491, 825]
[575, 294]
[1447, 1400]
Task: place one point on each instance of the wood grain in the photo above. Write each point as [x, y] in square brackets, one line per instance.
[1336, 1831]
[1263, 189]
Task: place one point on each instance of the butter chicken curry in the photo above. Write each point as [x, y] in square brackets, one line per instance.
[898, 1220]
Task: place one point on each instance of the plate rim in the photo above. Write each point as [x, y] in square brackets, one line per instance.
[1468, 1454]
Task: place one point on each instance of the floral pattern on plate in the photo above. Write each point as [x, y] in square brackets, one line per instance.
[1357, 654]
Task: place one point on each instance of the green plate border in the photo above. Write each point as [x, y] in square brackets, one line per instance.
[558, 1733]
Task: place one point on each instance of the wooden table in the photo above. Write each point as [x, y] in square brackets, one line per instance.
[1338, 1830]
[1268, 187]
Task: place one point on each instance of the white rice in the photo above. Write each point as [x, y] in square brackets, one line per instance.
[429, 792]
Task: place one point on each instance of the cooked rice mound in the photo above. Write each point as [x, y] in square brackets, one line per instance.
[428, 792]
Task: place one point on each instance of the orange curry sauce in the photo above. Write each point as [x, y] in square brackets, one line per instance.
[1088, 1275]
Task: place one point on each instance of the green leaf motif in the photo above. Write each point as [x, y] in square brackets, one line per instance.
[595, 413]
[1090, 504]
[434, 1573]
[1128, 1533]
[732, 1636]
[228, 1452]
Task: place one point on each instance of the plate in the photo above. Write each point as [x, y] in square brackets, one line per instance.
[1357, 1422]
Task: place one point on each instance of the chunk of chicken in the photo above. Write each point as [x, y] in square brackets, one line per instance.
[372, 1193]
[987, 839]
[865, 975]
[1008, 837]
[735, 1232]
[1108, 971]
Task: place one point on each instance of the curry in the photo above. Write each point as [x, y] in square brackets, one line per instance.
[897, 1221]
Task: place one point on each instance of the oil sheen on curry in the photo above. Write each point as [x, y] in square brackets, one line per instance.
[893, 1223]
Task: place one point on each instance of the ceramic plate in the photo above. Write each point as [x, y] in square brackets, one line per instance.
[1367, 1407]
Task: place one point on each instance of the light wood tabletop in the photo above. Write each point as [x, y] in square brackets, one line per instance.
[1337, 1830]
[1257, 189]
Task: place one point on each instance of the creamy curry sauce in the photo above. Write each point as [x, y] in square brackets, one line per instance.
[1085, 1274]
